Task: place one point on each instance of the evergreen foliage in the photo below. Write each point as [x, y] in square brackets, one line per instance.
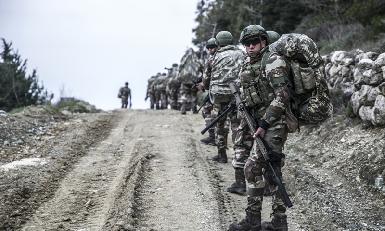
[17, 88]
[333, 24]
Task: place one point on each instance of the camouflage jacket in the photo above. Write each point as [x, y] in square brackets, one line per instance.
[207, 71]
[225, 68]
[265, 86]
[125, 92]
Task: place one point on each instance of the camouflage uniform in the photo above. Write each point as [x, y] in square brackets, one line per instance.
[189, 70]
[150, 91]
[243, 139]
[265, 91]
[124, 94]
[156, 89]
[162, 84]
[207, 109]
[173, 86]
[225, 67]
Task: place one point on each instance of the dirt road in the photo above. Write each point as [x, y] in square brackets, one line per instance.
[147, 170]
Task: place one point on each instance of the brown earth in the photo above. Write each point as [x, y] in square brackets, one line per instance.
[147, 170]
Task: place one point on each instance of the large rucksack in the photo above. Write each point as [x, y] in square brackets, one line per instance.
[310, 93]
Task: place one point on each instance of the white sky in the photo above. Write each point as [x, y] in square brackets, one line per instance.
[91, 47]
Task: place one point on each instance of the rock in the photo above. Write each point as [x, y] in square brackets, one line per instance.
[359, 98]
[379, 111]
[3, 113]
[372, 95]
[366, 113]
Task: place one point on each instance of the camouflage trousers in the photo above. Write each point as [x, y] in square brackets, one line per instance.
[188, 98]
[208, 115]
[163, 99]
[157, 96]
[242, 145]
[152, 100]
[258, 178]
[124, 101]
[173, 99]
[223, 129]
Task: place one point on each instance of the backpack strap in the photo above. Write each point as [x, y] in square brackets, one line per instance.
[265, 56]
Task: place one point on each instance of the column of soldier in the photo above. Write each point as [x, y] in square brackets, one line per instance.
[261, 95]
[176, 88]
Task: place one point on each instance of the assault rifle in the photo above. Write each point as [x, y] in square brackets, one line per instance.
[261, 144]
[230, 107]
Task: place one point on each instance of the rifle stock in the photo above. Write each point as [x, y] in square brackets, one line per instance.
[261, 144]
[229, 108]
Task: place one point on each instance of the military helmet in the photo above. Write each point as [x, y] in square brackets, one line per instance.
[252, 31]
[224, 38]
[211, 43]
[272, 36]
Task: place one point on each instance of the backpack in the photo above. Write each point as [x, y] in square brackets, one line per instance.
[310, 94]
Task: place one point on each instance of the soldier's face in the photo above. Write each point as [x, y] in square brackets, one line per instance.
[212, 50]
[254, 46]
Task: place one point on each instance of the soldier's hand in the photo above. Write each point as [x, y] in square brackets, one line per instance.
[260, 132]
[200, 86]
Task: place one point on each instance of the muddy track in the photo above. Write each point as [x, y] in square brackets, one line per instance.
[22, 192]
[227, 207]
[147, 170]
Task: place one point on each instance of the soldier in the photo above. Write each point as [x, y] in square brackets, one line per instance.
[156, 90]
[161, 87]
[225, 67]
[243, 144]
[212, 47]
[264, 81]
[150, 91]
[190, 69]
[124, 94]
[173, 86]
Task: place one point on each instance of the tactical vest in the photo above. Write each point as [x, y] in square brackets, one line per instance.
[257, 91]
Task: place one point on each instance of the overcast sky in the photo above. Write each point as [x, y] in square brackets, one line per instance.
[91, 47]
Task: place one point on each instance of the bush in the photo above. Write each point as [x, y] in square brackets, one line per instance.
[74, 105]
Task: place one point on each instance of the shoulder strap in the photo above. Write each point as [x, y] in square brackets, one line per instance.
[265, 56]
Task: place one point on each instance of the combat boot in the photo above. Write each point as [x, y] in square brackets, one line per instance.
[221, 157]
[195, 110]
[183, 109]
[252, 222]
[208, 141]
[239, 186]
[278, 223]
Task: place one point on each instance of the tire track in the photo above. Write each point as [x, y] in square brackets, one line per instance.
[86, 194]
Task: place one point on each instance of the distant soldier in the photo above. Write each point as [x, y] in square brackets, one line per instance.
[189, 71]
[225, 67]
[157, 91]
[173, 86]
[125, 94]
[212, 47]
[150, 91]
